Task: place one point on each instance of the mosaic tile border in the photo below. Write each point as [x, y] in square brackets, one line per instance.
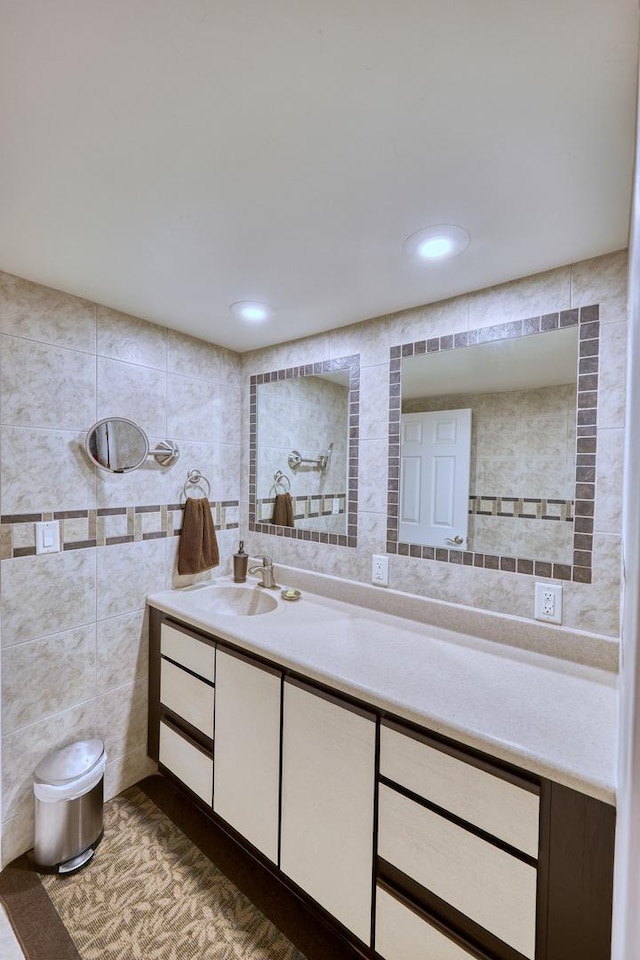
[309, 506]
[107, 526]
[352, 364]
[520, 508]
[587, 319]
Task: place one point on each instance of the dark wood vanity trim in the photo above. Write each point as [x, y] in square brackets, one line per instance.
[175, 720]
[352, 364]
[588, 323]
[576, 839]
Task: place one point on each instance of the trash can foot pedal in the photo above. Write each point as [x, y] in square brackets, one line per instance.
[76, 862]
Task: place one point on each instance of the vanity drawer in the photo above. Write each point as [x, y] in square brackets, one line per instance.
[189, 764]
[401, 934]
[194, 654]
[190, 698]
[502, 808]
[488, 885]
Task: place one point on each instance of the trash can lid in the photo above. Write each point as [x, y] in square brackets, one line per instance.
[69, 762]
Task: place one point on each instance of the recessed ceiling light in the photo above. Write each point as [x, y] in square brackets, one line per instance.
[251, 310]
[437, 242]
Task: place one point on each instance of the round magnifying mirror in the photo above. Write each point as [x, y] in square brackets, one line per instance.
[117, 445]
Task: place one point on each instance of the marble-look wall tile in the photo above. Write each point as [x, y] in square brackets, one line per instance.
[18, 834]
[126, 573]
[192, 410]
[122, 650]
[595, 607]
[23, 749]
[599, 279]
[613, 375]
[372, 495]
[122, 717]
[45, 386]
[47, 594]
[426, 576]
[39, 313]
[126, 770]
[374, 414]
[135, 392]
[529, 297]
[61, 671]
[122, 337]
[145, 486]
[433, 320]
[44, 470]
[292, 353]
[501, 592]
[370, 339]
[609, 474]
[191, 357]
[613, 310]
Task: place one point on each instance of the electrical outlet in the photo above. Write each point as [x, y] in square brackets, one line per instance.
[548, 604]
[380, 571]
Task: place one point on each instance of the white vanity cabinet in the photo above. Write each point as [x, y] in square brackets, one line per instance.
[401, 842]
[328, 784]
[246, 782]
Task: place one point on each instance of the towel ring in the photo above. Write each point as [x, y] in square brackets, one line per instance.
[279, 480]
[195, 477]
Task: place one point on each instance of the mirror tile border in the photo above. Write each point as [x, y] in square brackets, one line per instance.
[588, 321]
[352, 364]
[106, 526]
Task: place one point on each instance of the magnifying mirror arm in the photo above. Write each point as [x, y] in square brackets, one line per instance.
[166, 453]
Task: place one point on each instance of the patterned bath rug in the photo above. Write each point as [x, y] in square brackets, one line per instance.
[151, 894]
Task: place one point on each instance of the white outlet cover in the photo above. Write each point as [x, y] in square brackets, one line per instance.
[548, 602]
[380, 570]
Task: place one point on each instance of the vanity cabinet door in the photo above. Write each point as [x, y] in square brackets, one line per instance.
[246, 776]
[328, 773]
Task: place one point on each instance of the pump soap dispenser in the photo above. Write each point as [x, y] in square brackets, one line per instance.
[240, 562]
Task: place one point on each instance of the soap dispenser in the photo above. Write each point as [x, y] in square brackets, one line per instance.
[240, 562]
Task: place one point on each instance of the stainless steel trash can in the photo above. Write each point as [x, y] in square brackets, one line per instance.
[68, 787]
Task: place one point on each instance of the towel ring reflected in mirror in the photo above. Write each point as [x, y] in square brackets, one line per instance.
[281, 482]
[195, 479]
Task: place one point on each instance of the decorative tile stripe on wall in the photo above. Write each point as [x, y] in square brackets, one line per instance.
[106, 527]
[306, 507]
[521, 508]
[588, 321]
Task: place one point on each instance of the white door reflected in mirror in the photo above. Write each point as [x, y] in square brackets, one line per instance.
[435, 462]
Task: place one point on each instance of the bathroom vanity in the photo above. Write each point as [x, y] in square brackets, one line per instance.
[429, 794]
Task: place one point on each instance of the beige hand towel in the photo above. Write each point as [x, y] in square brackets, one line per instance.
[198, 548]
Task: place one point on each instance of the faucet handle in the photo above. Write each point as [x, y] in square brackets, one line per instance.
[266, 561]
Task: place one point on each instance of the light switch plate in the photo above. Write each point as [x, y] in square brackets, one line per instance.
[47, 536]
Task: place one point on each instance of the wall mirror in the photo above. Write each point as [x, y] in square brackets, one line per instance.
[118, 445]
[492, 446]
[303, 451]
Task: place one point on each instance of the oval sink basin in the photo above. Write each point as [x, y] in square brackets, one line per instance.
[240, 601]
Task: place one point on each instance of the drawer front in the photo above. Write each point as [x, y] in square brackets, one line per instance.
[193, 654]
[187, 696]
[190, 765]
[486, 884]
[403, 935]
[503, 809]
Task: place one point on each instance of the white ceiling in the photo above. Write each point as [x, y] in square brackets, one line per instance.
[168, 157]
[524, 363]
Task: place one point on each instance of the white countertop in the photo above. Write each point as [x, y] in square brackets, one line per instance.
[552, 717]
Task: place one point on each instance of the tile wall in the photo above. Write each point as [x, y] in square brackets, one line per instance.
[74, 643]
[593, 607]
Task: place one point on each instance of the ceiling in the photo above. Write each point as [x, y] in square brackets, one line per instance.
[524, 363]
[169, 157]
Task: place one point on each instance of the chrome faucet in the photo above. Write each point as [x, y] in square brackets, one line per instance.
[266, 569]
